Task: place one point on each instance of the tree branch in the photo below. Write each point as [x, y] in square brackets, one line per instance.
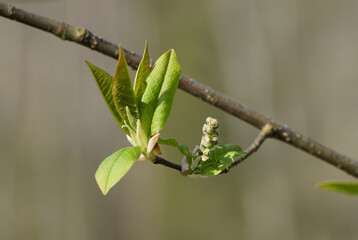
[279, 131]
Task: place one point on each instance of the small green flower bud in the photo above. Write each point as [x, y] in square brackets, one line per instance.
[205, 141]
[207, 129]
[197, 152]
[204, 158]
[206, 151]
[212, 122]
[210, 137]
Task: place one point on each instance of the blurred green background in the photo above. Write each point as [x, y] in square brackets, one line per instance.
[293, 60]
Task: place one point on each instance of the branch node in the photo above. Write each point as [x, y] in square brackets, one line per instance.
[267, 130]
[61, 31]
[80, 33]
[11, 10]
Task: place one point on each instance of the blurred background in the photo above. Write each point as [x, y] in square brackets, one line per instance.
[293, 60]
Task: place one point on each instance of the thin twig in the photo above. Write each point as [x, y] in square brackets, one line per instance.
[280, 131]
[164, 162]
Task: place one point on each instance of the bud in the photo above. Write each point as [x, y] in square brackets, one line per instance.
[207, 129]
[152, 141]
[210, 137]
[212, 122]
[204, 158]
[206, 151]
[205, 141]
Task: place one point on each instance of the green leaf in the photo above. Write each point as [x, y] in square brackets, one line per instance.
[350, 188]
[158, 97]
[104, 83]
[122, 89]
[220, 158]
[114, 167]
[181, 147]
[142, 73]
[168, 141]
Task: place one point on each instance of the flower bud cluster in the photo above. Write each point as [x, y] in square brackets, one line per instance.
[210, 137]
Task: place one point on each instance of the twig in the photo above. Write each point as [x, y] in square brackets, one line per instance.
[167, 163]
[281, 132]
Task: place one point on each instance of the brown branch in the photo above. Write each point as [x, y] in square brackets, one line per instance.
[281, 132]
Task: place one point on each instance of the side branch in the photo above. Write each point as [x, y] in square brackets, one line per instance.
[281, 132]
[167, 163]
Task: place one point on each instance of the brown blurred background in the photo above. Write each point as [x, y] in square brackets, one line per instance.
[293, 60]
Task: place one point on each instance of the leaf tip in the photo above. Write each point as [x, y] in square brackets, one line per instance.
[120, 54]
[349, 188]
[172, 52]
[102, 187]
[104, 192]
[88, 63]
[121, 58]
[120, 50]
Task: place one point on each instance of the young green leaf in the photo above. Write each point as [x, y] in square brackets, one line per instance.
[212, 168]
[181, 147]
[220, 158]
[114, 167]
[142, 73]
[350, 188]
[158, 97]
[168, 141]
[122, 89]
[104, 83]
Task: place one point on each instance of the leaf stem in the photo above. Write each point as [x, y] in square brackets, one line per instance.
[167, 163]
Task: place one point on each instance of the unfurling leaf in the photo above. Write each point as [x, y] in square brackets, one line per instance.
[181, 147]
[219, 159]
[122, 89]
[114, 167]
[104, 83]
[158, 97]
[350, 188]
[143, 71]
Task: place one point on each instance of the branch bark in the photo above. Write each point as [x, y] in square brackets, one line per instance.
[280, 131]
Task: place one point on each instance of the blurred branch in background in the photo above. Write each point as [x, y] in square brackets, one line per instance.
[277, 130]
